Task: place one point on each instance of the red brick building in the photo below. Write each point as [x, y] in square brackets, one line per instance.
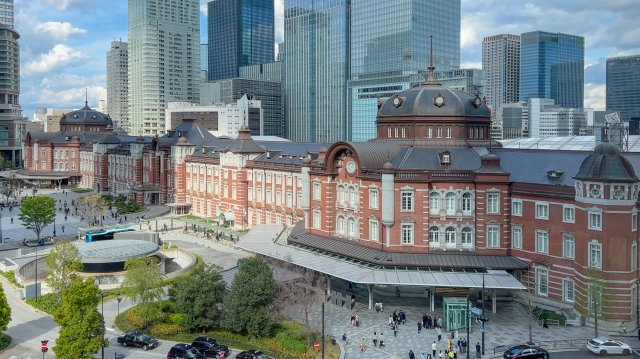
[432, 191]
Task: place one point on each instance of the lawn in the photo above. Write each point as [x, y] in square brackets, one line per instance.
[80, 190]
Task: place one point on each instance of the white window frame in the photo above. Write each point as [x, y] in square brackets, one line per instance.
[516, 237]
[434, 201]
[634, 222]
[467, 202]
[316, 218]
[568, 290]
[466, 232]
[542, 210]
[438, 132]
[450, 202]
[634, 256]
[407, 234]
[352, 227]
[542, 241]
[568, 246]
[595, 220]
[341, 226]
[595, 255]
[406, 205]
[542, 273]
[493, 236]
[493, 203]
[516, 207]
[374, 231]
[373, 198]
[316, 191]
[569, 213]
[434, 235]
[448, 131]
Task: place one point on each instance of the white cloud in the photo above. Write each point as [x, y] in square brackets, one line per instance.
[471, 65]
[59, 30]
[58, 57]
[595, 95]
[64, 5]
[279, 20]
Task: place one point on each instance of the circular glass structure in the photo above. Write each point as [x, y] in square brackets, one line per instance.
[109, 256]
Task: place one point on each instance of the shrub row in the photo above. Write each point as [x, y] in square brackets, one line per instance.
[11, 277]
[47, 303]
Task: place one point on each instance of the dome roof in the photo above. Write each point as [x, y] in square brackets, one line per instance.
[86, 115]
[606, 164]
[432, 99]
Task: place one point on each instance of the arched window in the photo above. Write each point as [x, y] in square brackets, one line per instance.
[450, 236]
[341, 225]
[353, 196]
[55, 166]
[450, 200]
[466, 202]
[467, 237]
[340, 194]
[434, 235]
[434, 201]
[351, 225]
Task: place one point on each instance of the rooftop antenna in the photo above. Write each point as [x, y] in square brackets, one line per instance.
[431, 77]
[86, 98]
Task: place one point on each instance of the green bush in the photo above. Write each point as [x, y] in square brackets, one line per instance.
[164, 329]
[124, 205]
[176, 318]
[80, 190]
[5, 341]
[11, 277]
[47, 303]
[293, 341]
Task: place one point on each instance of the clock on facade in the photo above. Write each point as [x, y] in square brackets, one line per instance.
[438, 100]
[618, 193]
[351, 167]
[595, 192]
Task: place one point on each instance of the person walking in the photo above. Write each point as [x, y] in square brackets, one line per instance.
[362, 345]
[344, 339]
[62, 229]
[439, 332]
[381, 340]
[422, 356]
[375, 340]
[419, 327]
[11, 220]
[411, 355]
[395, 330]
[464, 345]
[441, 355]
[434, 347]
[390, 320]
[478, 350]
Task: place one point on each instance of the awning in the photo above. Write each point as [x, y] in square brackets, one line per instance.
[261, 239]
[229, 216]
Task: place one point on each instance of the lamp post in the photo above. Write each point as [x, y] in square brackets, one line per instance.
[119, 300]
[102, 294]
[468, 325]
[483, 270]
[54, 225]
[36, 275]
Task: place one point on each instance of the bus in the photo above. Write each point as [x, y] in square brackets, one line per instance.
[106, 234]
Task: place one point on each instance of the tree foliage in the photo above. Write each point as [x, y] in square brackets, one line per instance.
[64, 261]
[5, 311]
[92, 207]
[37, 213]
[248, 303]
[527, 307]
[142, 282]
[6, 192]
[80, 322]
[199, 297]
[597, 296]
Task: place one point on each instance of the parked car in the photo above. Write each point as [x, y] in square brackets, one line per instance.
[210, 347]
[138, 340]
[525, 351]
[182, 350]
[604, 346]
[252, 354]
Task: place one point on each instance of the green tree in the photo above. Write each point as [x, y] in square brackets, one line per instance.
[80, 322]
[199, 297]
[37, 213]
[64, 261]
[6, 192]
[143, 282]
[248, 303]
[92, 207]
[5, 311]
[596, 296]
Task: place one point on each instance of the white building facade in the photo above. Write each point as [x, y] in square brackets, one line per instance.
[118, 86]
[501, 64]
[549, 120]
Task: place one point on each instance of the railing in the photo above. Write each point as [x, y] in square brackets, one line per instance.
[553, 344]
[553, 322]
[574, 322]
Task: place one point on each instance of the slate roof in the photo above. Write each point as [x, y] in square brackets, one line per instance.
[532, 166]
[400, 259]
[427, 158]
[607, 165]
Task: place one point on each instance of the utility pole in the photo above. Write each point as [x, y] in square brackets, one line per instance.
[322, 330]
[468, 325]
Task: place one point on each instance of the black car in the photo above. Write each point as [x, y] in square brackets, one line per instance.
[138, 340]
[210, 347]
[180, 351]
[252, 354]
[526, 351]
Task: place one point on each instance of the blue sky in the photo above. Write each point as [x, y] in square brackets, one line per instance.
[64, 42]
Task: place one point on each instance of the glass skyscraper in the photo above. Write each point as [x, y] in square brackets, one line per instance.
[164, 60]
[389, 48]
[6, 13]
[552, 67]
[316, 69]
[623, 86]
[241, 33]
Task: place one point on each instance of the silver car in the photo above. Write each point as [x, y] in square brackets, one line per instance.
[605, 346]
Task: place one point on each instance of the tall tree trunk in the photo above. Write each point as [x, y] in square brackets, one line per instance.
[596, 326]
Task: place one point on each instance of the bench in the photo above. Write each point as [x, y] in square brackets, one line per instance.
[553, 322]
[574, 322]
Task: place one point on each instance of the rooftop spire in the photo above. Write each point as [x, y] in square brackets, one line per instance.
[431, 77]
[86, 100]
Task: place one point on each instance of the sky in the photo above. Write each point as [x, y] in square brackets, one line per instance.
[64, 43]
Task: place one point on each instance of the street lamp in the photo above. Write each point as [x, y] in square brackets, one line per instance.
[102, 294]
[36, 275]
[54, 225]
[483, 270]
[119, 300]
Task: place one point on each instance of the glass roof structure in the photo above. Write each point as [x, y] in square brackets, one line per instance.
[569, 143]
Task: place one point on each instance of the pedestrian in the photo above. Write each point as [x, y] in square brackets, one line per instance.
[65, 217]
[395, 317]
[422, 356]
[464, 345]
[449, 344]
[381, 307]
[459, 344]
[375, 340]
[62, 229]
[435, 322]
[419, 327]
[478, 350]
[424, 320]
[441, 355]
[11, 220]
[395, 331]
[434, 347]
[544, 324]
[439, 331]
[403, 317]
[353, 300]
[344, 339]
[451, 354]
[353, 320]
[357, 320]
[350, 287]
[377, 307]
[362, 345]
[381, 340]
[411, 355]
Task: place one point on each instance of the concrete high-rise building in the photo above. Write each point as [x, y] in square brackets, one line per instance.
[549, 120]
[118, 86]
[513, 119]
[12, 125]
[6, 13]
[240, 33]
[41, 113]
[623, 86]
[389, 47]
[552, 67]
[501, 65]
[204, 62]
[164, 60]
[467, 80]
[317, 68]
[52, 119]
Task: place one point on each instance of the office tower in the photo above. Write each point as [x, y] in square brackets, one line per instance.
[501, 65]
[623, 86]
[552, 67]
[389, 45]
[6, 13]
[204, 62]
[241, 33]
[52, 119]
[513, 119]
[41, 113]
[118, 86]
[549, 120]
[268, 92]
[316, 70]
[467, 80]
[12, 125]
[164, 60]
